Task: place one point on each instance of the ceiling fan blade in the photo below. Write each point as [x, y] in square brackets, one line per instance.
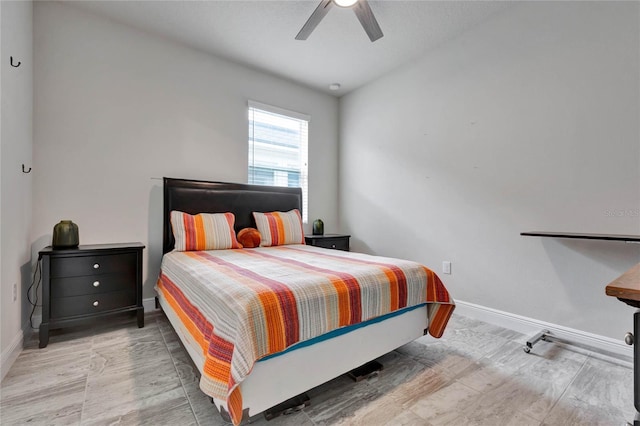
[314, 19]
[365, 16]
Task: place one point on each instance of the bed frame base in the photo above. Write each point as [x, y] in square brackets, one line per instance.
[290, 406]
[366, 371]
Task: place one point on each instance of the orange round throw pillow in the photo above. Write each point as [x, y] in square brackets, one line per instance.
[249, 237]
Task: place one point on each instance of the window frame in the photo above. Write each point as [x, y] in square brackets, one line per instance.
[303, 149]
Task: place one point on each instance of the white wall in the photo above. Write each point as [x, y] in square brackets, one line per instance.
[116, 107]
[15, 188]
[529, 121]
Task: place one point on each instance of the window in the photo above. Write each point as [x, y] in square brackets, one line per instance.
[278, 149]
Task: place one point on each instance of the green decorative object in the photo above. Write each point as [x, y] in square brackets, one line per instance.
[65, 235]
[318, 227]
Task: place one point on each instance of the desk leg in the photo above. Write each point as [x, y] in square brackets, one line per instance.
[636, 367]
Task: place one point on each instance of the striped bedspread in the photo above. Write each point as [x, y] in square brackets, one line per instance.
[242, 305]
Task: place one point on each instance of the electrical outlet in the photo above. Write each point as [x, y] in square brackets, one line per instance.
[446, 267]
[15, 291]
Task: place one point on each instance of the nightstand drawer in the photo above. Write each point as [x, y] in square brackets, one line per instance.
[333, 243]
[92, 303]
[92, 265]
[92, 284]
[330, 241]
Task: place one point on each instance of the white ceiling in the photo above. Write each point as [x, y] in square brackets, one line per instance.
[260, 34]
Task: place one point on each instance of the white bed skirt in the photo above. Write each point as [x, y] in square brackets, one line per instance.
[280, 378]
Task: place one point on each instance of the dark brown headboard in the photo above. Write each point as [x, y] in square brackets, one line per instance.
[196, 196]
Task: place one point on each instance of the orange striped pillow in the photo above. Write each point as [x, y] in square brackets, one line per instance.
[204, 231]
[279, 228]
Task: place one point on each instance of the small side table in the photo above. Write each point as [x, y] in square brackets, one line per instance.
[89, 281]
[330, 241]
[627, 289]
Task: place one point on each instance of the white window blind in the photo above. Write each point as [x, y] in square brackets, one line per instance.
[278, 153]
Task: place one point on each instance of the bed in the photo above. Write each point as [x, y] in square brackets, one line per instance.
[254, 320]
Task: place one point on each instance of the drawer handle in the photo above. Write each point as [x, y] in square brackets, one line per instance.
[96, 283]
[333, 246]
[95, 303]
[96, 265]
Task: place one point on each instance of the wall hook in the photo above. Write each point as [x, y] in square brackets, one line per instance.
[15, 65]
[26, 171]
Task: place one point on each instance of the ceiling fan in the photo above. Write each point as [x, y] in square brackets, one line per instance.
[361, 9]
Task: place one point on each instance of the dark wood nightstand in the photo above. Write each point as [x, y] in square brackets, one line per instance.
[330, 241]
[89, 281]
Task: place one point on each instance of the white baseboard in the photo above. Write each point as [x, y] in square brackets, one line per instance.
[37, 320]
[10, 354]
[530, 326]
[149, 304]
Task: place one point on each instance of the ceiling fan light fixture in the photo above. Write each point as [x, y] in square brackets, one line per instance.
[360, 7]
[345, 3]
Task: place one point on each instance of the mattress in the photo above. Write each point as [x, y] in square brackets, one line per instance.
[240, 306]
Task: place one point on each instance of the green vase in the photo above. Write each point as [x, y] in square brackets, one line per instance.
[318, 227]
[65, 235]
